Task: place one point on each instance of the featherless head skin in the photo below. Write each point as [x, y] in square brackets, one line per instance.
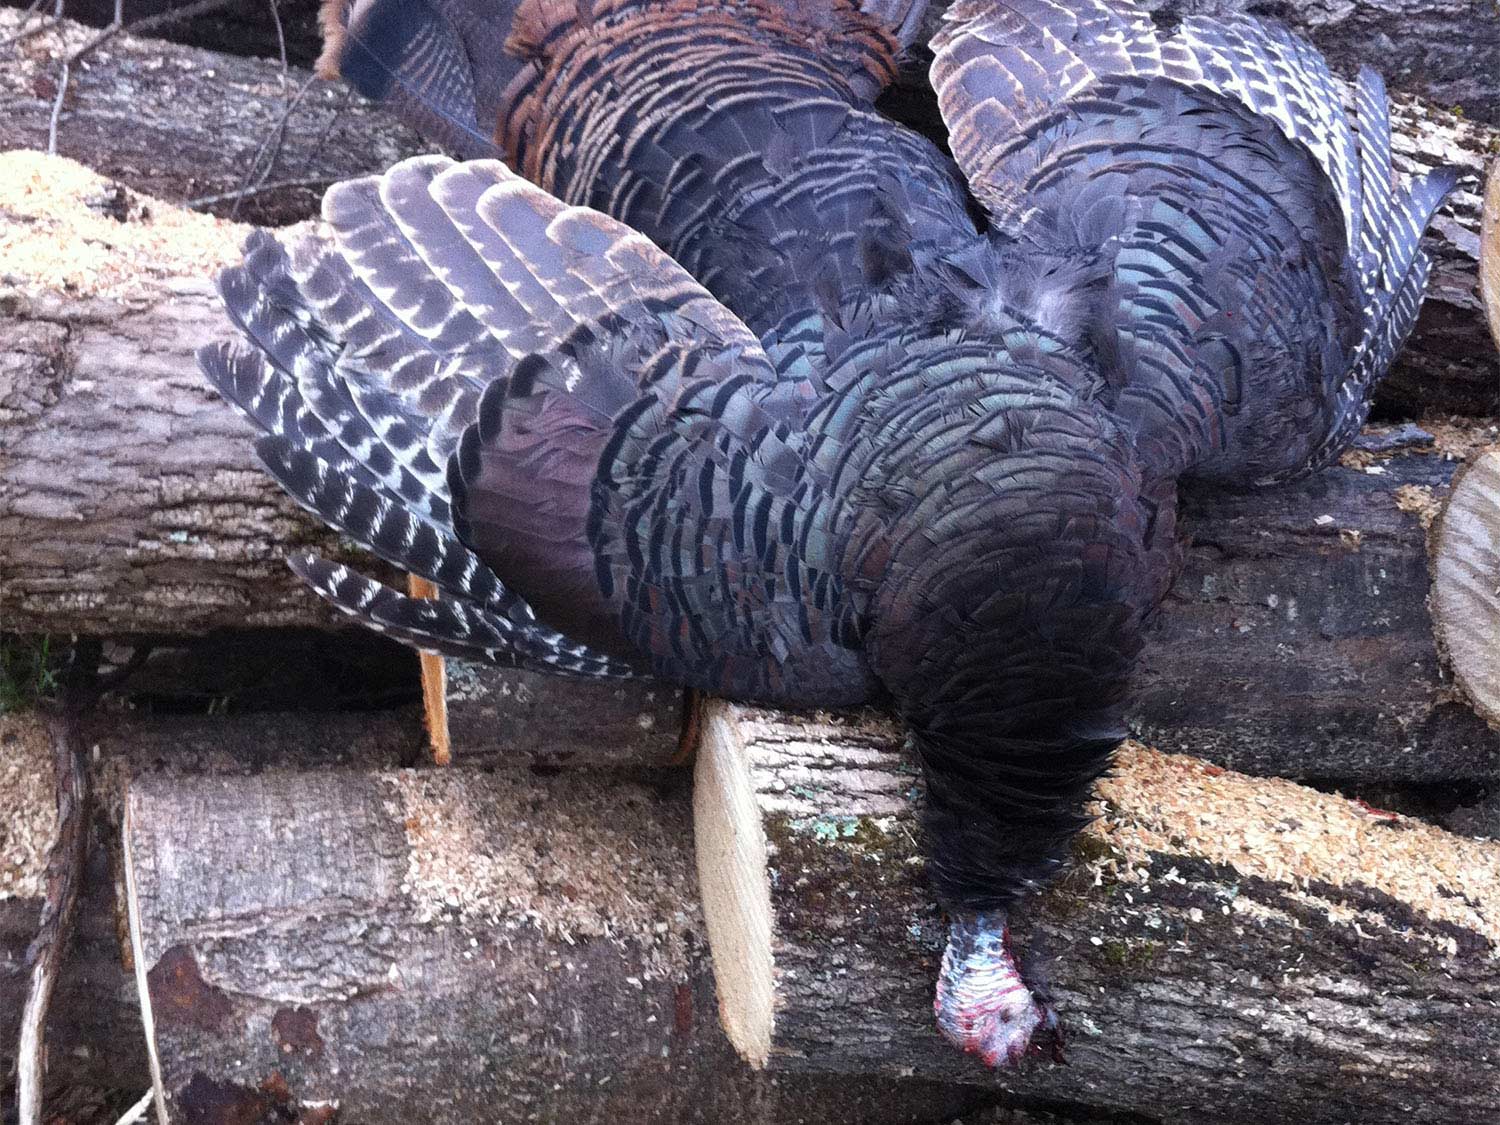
[722, 382]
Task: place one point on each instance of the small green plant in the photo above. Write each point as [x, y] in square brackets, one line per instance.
[28, 672]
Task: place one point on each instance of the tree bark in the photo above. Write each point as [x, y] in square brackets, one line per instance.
[130, 500]
[1226, 949]
[442, 946]
[1299, 641]
[490, 713]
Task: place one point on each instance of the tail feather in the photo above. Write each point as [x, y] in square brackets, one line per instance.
[1012, 77]
[1280, 76]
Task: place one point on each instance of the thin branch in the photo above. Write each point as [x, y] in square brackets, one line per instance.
[65, 866]
[280, 40]
[272, 143]
[137, 1112]
[260, 189]
[66, 75]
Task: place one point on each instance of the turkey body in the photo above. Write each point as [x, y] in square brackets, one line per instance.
[744, 391]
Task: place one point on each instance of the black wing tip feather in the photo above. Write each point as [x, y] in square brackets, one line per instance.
[443, 626]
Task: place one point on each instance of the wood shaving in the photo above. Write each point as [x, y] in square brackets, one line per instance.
[1291, 835]
[581, 857]
[66, 229]
[28, 825]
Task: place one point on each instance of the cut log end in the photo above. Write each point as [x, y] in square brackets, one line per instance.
[731, 857]
[1466, 583]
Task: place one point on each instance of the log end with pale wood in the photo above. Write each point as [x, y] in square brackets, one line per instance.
[1466, 583]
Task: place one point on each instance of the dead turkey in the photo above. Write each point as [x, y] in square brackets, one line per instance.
[737, 383]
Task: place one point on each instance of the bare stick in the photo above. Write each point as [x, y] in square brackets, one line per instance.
[1489, 251]
[434, 686]
[258, 189]
[275, 6]
[273, 143]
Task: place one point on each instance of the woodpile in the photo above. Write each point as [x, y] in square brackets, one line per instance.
[622, 902]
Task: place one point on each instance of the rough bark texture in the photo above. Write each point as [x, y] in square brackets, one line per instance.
[1227, 949]
[180, 123]
[392, 946]
[130, 500]
[1298, 641]
[499, 713]
[317, 951]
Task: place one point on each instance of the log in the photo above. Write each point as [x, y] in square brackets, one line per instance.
[130, 501]
[180, 124]
[1226, 948]
[455, 946]
[1299, 642]
[96, 1043]
[553, 721]
[549, 720]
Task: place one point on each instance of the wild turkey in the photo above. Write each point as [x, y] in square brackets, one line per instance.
[838, 439]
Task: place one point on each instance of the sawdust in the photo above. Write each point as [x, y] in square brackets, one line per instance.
[28, 809]
[1291, 835]
[63, 228]
[1459, 437]
[579, 858]
[1418, 500]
